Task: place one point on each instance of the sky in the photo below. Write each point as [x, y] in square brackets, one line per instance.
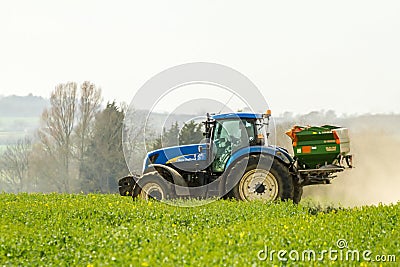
[302, 55]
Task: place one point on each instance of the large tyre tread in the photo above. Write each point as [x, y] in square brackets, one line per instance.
[153, 176]
[285, 181]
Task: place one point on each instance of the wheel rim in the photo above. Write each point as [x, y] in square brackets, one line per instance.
[152, 191]
[258, 184]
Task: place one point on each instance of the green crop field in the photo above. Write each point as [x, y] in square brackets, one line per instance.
[2, 148]
[96, 230]
[8, 121]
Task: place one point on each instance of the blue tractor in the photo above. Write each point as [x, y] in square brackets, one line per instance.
[236, 161]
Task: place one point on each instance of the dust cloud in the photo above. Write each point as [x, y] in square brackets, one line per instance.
[375, 178]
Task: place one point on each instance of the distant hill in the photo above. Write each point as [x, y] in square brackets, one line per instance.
[22, 106]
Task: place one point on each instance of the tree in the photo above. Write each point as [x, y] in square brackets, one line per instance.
[58, 124]
[157, 143]
[135, 132]
[44, 169]
[89, 105]
[168, 138]
[14, 164]
[191, 133]
[106, 162]
[65, 134]
[171, 137]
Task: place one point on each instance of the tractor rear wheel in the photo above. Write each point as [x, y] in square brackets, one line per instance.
[152, 186]
[264, 178]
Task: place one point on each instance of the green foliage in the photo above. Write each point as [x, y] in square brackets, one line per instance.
[168, 138]
[171, 136]
[95, 230]
[157, 144]
[191, 133]
[105, 159]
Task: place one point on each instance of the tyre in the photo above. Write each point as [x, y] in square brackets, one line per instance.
[152, 186]
[264, 178]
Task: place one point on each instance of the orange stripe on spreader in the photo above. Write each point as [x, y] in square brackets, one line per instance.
[336, 136]
[306, 149]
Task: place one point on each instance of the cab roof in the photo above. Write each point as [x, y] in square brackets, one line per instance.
[240, 115]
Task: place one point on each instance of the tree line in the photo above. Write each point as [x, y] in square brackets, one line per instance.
[78, 146]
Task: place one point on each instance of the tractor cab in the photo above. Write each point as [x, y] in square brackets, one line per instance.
[231, 132]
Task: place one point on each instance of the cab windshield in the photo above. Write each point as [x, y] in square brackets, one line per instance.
[231, 135]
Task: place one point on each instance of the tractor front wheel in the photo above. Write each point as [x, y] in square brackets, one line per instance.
[153, 186]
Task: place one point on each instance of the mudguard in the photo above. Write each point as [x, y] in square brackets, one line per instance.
[181, 187]
[274, 151]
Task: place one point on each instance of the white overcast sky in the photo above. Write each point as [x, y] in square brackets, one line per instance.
[303, 55]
